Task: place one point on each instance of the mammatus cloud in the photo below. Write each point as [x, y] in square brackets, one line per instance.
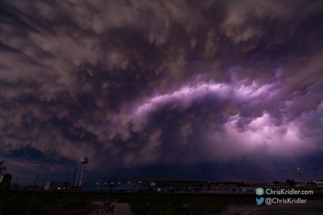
[133, 83]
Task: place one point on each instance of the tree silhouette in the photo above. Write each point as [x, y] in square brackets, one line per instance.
[2, 168]
[291, 182]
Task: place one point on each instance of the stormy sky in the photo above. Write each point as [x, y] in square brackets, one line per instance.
[159, 88]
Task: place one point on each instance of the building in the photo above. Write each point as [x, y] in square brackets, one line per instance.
[223, 184]
[57, 185]
[76, 188]
[136, 183]
[319, 184]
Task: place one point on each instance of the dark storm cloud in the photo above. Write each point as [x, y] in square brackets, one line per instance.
[136, 82]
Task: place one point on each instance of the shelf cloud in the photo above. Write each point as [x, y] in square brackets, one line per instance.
[135, 83]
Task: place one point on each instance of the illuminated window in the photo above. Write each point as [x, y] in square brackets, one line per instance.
[59, 188]
[119, 182]
[96, 183]
[129, 182]
[140, 182]
[105, 182]
[111, 182]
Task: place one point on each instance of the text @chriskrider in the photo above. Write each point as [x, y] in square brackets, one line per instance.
[288, 192]
[270, 201]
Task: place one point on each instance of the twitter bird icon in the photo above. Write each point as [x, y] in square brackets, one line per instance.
[260, 201]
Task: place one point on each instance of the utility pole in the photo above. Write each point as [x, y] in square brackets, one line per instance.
[300, 174]
[15, 184]
[205, 177]
[74, 176]
[115, 182]
[315, 177]
[35, 182]
[65, 182]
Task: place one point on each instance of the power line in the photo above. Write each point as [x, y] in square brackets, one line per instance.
[201, 172]
[63, 173]
[213, 172]
[193, 173]
[290, 170]
[280, 164]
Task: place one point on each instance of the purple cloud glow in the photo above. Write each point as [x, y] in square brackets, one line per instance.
[141, 83]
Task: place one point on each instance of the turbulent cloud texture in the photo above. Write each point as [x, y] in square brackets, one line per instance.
[132, 83]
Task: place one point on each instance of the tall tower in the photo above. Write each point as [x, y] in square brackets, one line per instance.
[81, 176]
[300, 174]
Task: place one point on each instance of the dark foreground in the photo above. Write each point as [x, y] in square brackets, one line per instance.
[310, 208]
[123, 203]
